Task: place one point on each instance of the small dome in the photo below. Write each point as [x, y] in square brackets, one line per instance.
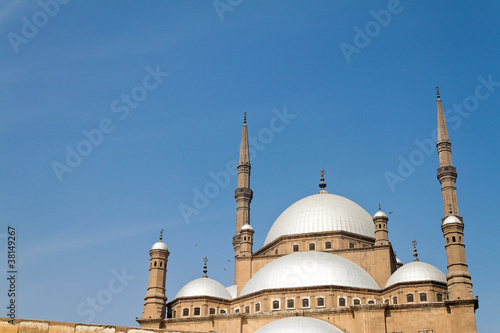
[398, 261]
[246, 227]
[416, 271]
[451, 219]
[320, 213]
[380, 214]
[233, 290]
[309, 269]
[160, 246]
[298, 325]
[204, 287]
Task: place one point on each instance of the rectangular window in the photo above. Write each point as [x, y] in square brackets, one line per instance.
[276, 305]
[290, 304]
[321, 301]
[328, 245]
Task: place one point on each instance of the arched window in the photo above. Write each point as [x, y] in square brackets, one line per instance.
[394, 300]
[423, 297]
[276, 305]
[295, 248]
[222, 311]
[409, 298]
[247, 309]
[305, 302]
[175, 312]
[371, 302]
[341, 301]
[185, 312]
[290, 304]
[356, 302]
[312, 247]
[439, 297]
[351, 245]
[459, 238]
[237, 310]
[328, 245]
[447, 240]
[321, 301]
[155, 263]
[211, 311]
[245, 238]
[161, 263]
[257, 307]
[196, 311]
[453, 239]
[276, 251]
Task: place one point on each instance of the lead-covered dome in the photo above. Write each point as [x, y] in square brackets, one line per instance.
[204, 287]
[416, 271]
[159, 246]
[309, 269]
[319, 213]
[298, 325]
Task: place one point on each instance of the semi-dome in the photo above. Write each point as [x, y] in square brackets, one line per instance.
[233, 290]
[298, 325]
[309, 269]
[159, 246]
[416, 271]
[204, 287]
[319, 213]
[451, 219]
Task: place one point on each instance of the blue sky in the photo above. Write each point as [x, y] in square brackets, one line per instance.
[161, 87]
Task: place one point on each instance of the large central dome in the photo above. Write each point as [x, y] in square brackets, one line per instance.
[322, 212]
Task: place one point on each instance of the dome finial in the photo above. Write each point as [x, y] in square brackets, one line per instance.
[379, 207]
[244, 117]
[437, 93]
[205, 267]
[415, 254]
[322, 184]
[161, 235]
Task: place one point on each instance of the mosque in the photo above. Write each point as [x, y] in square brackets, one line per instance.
[326, 266]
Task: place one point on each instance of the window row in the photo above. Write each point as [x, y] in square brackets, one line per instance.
[153, 264]
[423, 298]
[312, 247]
[290, 303]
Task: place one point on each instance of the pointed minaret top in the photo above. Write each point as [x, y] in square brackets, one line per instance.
[244, 150]
[415, 254]
[205, 267]
[322, 184]
[441, 122]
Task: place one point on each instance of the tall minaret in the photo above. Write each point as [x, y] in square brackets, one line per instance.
[447, 173]
[242, 241]
[155, 299]
[243, 194]
[459, 279]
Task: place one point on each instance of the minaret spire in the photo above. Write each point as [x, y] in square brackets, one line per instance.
[205, 267]
[322, 183]
[459, 279]
[243, 194]
[447, 174]
[415, 254]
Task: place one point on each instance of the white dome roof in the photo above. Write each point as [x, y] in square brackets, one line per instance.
[204, 287]
[380, 214]
[246, 227]
[416, 271]
[319, 213]
[298, 325]
[309, 269]
[159, 246]
[233, 290]
[451, 219]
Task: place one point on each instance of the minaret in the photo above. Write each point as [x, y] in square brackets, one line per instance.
[459, 279]
[155, 299]
[243, 240]
[243, 194]
[381, 234]
[447, 173]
